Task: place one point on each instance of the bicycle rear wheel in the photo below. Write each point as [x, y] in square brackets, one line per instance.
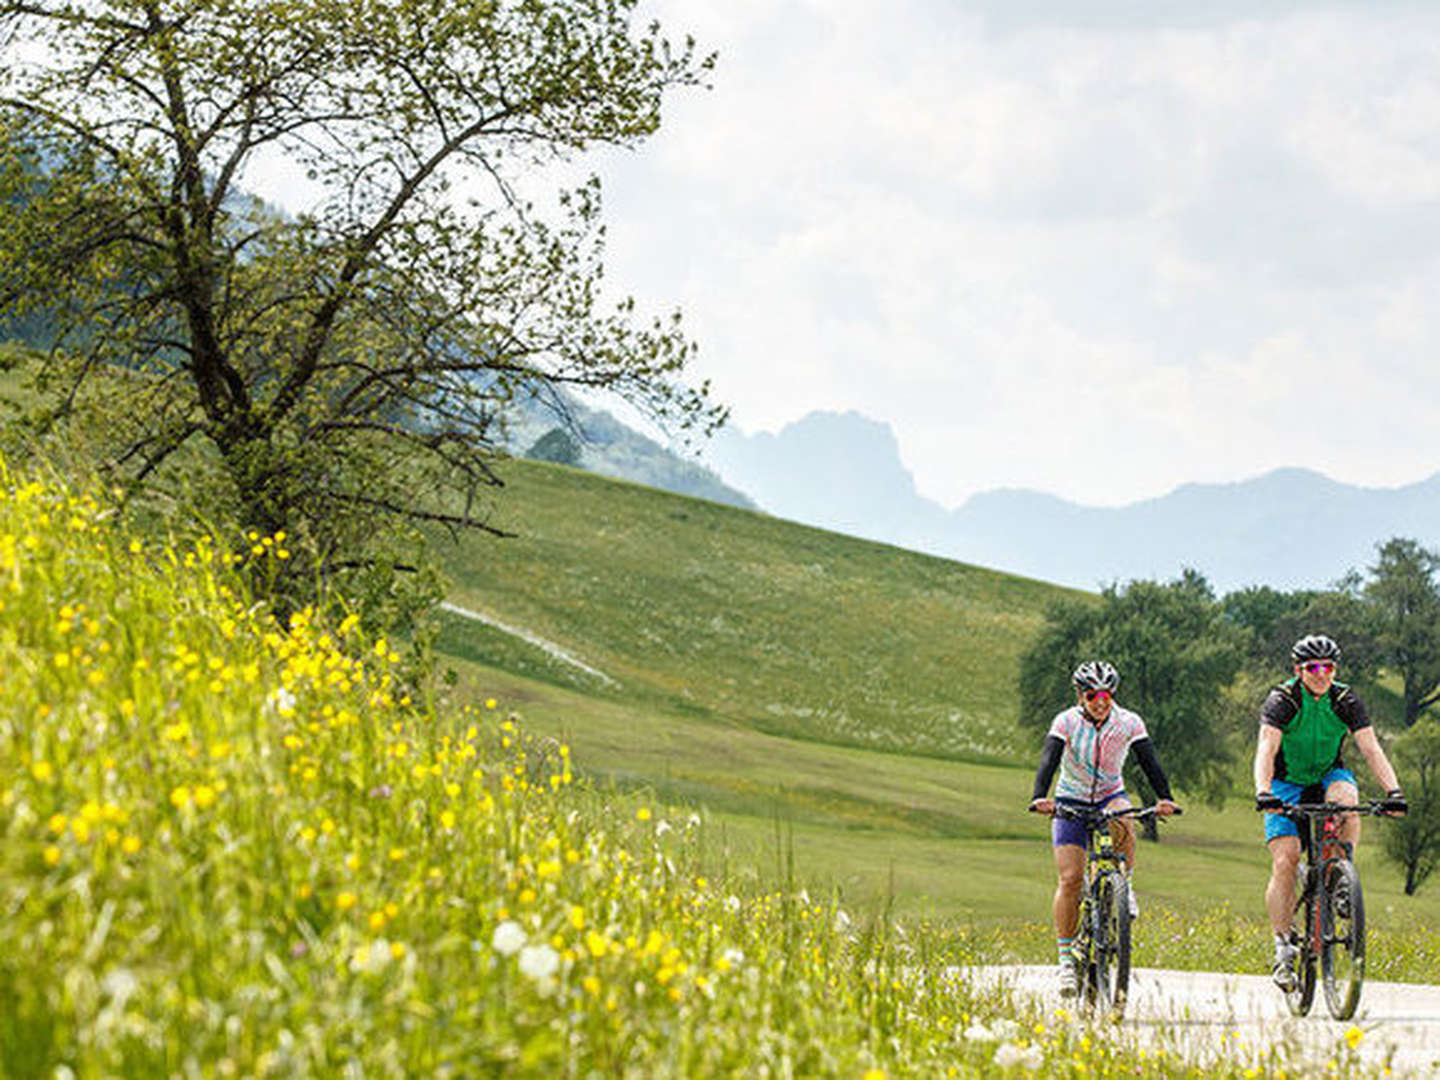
[1112, 944]
[1342, 950]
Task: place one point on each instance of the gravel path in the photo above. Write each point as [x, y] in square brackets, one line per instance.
[1202, 1015]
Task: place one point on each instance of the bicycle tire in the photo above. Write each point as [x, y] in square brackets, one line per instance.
[1089, 956]
[1302, 997]
[1111, 935]
[1342, 950]
[1080, 952]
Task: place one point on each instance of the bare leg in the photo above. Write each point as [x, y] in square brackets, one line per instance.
[1122, 834]
[1280, 892]
[1070, 873]
[1344, 793]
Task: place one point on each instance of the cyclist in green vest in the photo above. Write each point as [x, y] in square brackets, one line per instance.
[1303, 724]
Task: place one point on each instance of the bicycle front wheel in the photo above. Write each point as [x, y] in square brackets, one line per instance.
[1342, 950]
[1111, 932]
[1306, 941]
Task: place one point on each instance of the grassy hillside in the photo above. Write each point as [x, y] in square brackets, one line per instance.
[232, 847]
[737, 643]
[713, 612]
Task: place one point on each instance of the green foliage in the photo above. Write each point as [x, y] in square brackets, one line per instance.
[345, 368]
[558, 446]
[1274, 620]
[1406, 599]
[1413, 841]
[1175, 652]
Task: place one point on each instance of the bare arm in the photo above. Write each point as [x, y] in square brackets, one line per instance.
[1265, 749]
[1369, 745]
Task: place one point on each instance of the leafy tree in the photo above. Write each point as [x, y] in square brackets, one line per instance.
[1413, 841]
[1406, 599]
[344, 367]
[1263, 613]
[556, 445]
[1175, 652]
[1274, 620]
[1343, 613]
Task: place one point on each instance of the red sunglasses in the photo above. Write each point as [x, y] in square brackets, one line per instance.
[1092, 695]
[1320, 667]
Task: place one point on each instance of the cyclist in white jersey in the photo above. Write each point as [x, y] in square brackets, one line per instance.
[1087, 744]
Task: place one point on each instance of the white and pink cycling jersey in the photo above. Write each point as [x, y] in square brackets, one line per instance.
[1090, 767]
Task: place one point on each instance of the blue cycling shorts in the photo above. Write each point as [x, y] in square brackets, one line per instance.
[1276, 824]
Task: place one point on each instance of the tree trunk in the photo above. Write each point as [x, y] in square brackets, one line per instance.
[257, 476]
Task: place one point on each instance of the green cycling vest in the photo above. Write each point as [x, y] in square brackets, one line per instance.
[1311, 740]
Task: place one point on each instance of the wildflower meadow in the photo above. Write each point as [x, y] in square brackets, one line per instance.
[238, 845]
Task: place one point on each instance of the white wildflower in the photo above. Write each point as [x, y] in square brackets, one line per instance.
[732, 904]
[372, 958]
[283, 701]
[120, 984]
[662, 827]
[734, 957]
[1006, 1028]
[1006, 1055]
[539, 961]
[978, 1032]
[842, 921]
[1027, 1057]
[508, 938]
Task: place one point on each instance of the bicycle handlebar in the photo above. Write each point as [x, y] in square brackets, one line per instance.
[1101, 816]
[1378, 807]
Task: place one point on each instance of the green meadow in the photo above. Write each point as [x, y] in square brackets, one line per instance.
[840, 709]
[235, 845]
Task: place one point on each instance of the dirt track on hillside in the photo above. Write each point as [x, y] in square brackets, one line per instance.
[1204, 1015]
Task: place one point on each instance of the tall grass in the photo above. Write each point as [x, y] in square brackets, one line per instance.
[232, 847]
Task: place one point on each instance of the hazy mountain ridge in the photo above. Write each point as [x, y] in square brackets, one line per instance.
[611, 448]
[1290, 528]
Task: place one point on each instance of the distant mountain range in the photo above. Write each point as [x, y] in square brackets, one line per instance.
[1291, 528]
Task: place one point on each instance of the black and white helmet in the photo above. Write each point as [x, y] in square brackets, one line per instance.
[1315, 647]
[1096, 675]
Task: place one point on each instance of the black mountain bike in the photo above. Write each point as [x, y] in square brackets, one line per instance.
[1329, 910]
[1102, 938]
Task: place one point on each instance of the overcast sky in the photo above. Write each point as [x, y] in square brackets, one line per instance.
[1093, 248]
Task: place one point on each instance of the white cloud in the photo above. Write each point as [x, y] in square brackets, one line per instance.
[1096, 256]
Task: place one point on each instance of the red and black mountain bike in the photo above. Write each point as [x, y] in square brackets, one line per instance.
[1329, 926]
